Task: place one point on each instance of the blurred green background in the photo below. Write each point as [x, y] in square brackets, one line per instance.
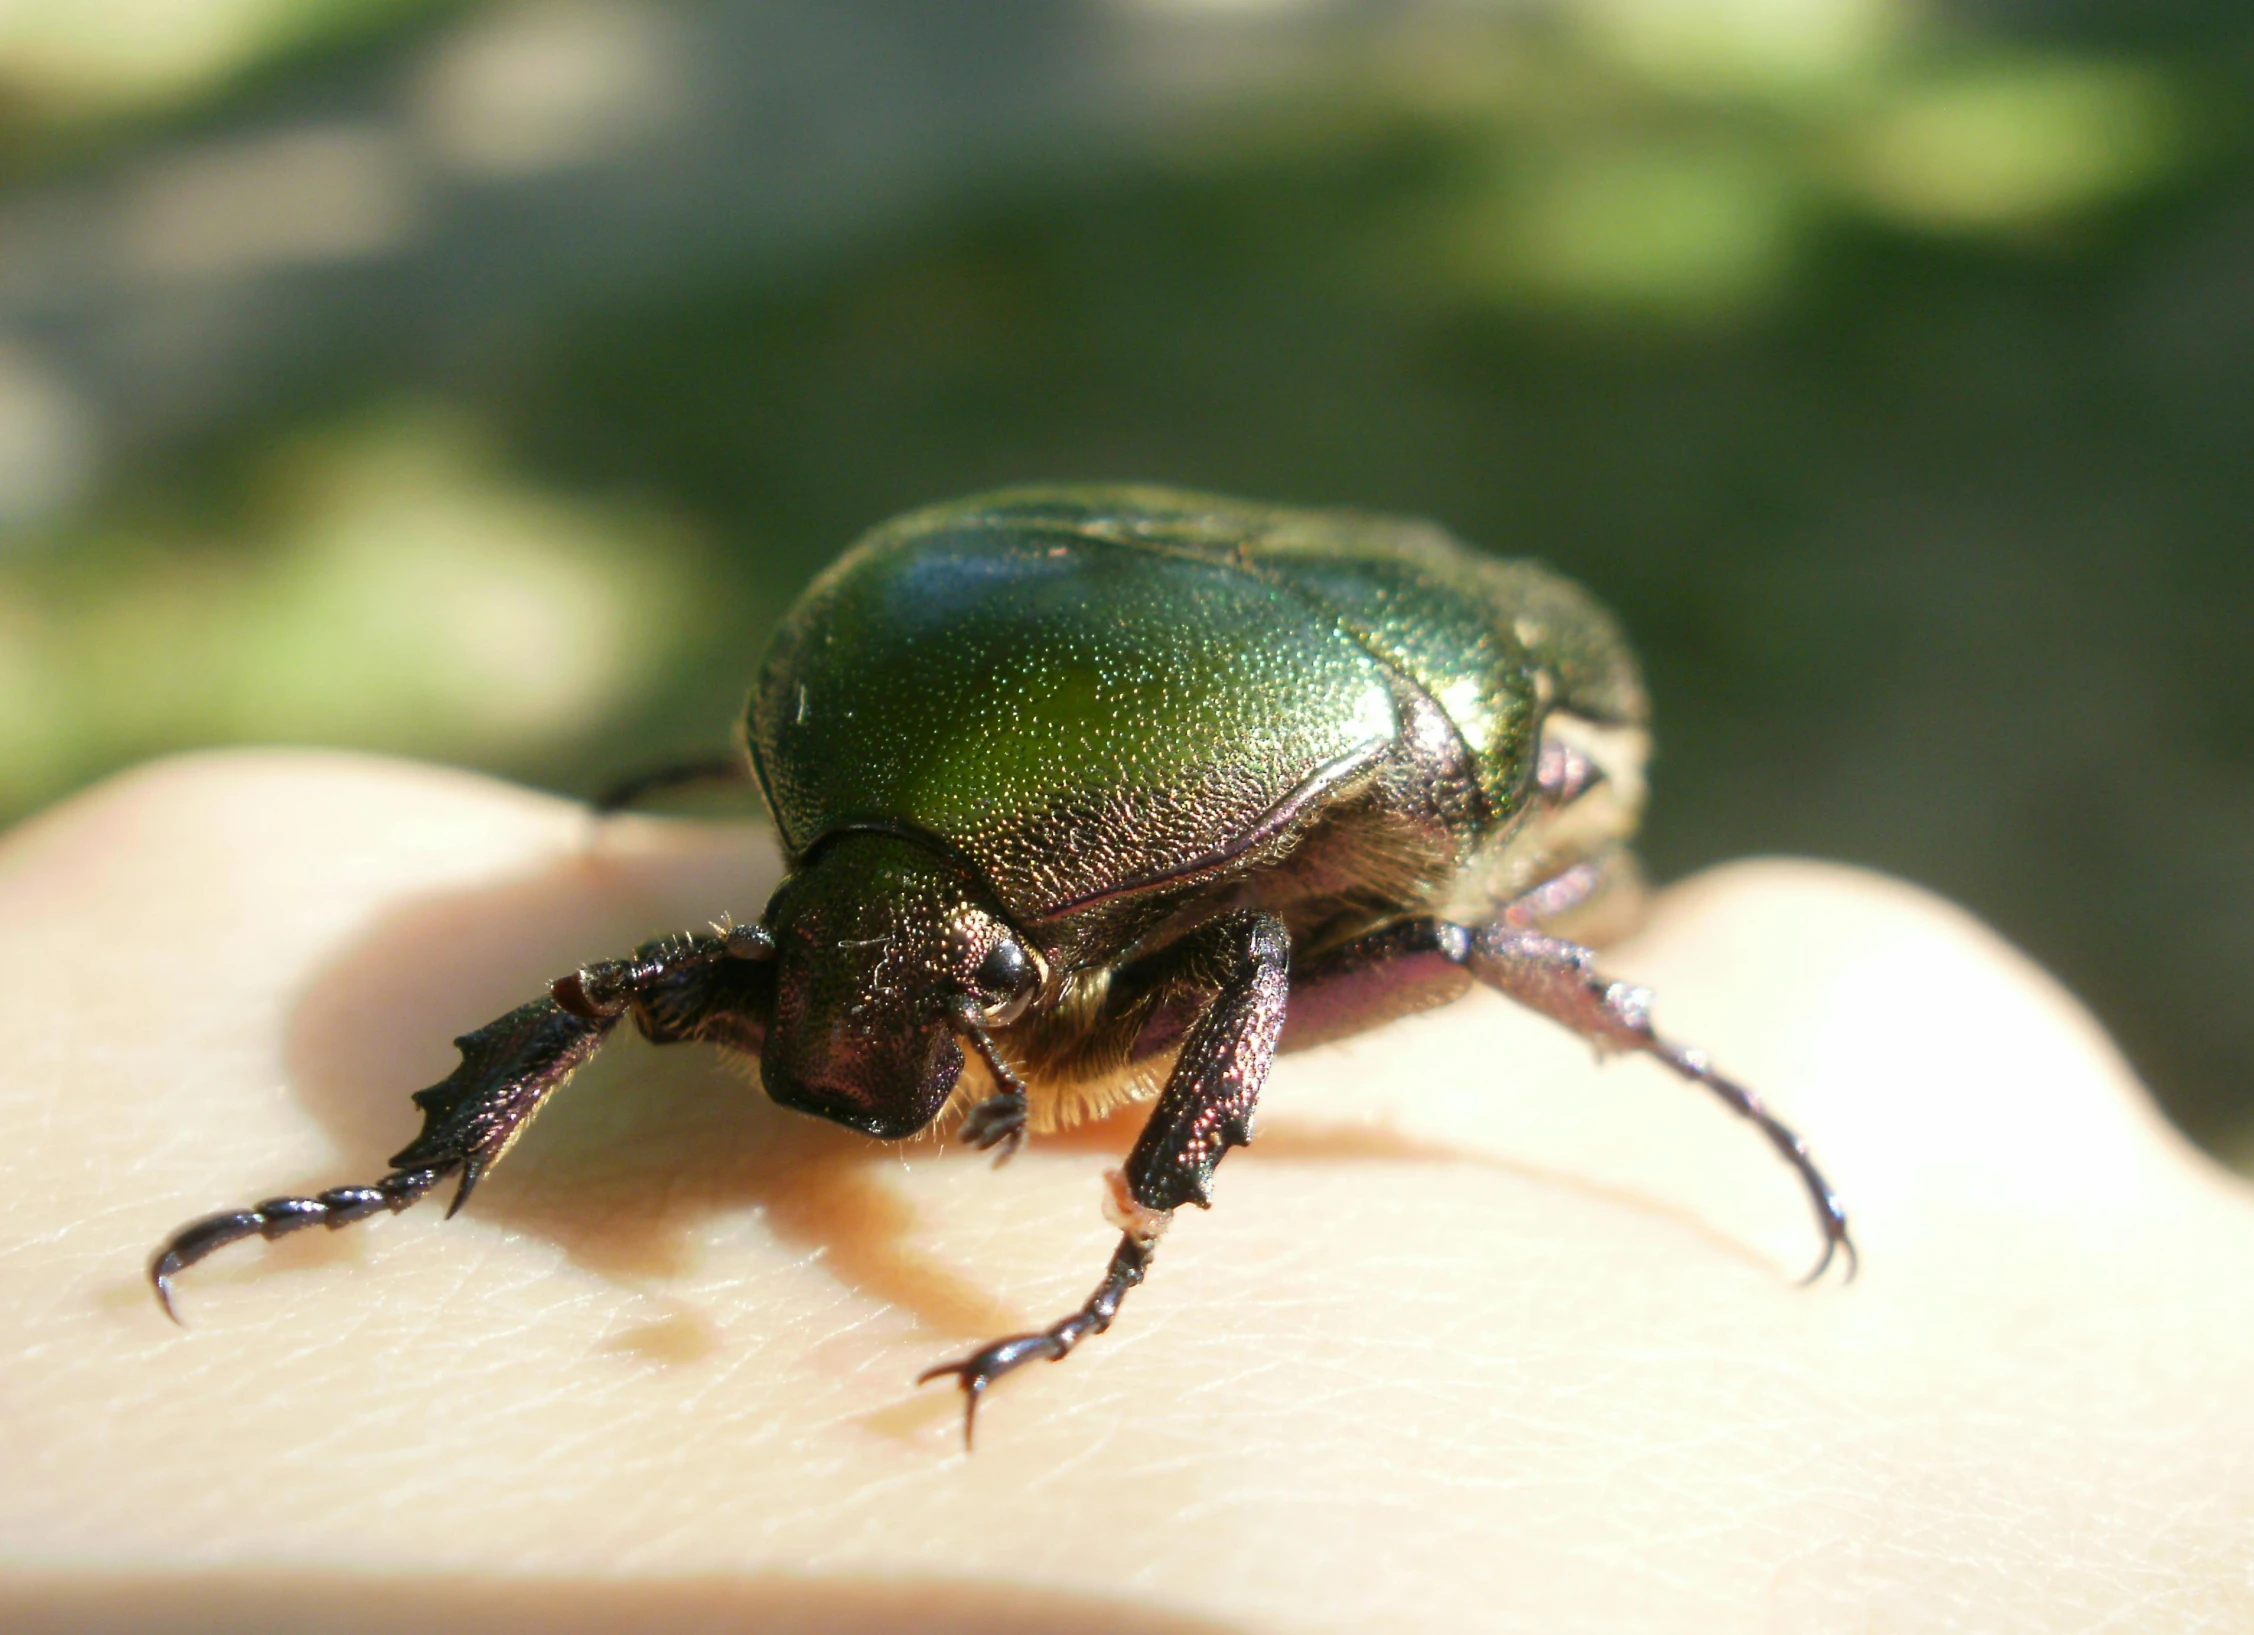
[480, 381]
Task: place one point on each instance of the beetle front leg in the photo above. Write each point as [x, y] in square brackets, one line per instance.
[1205, 1109]
[691, 986]
[999, 1120]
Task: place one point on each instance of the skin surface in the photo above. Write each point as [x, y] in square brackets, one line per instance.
[1477, 1335]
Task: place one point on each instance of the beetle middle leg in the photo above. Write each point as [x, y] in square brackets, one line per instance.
[1242, 960]
[690, 986]
[1412, 964]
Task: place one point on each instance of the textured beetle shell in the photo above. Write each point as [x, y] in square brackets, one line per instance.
[1088, 691]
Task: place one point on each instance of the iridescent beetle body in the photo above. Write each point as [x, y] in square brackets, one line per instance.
[1089, 795]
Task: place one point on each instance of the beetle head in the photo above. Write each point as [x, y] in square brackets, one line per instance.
[888, 960]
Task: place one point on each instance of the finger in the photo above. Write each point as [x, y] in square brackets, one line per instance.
[1473, 1324]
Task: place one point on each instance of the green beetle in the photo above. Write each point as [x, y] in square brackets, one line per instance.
[1098, 794]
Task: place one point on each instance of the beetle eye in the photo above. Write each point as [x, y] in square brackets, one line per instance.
[1003, 971]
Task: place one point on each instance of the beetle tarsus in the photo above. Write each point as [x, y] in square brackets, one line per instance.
[974, 1373]
[277, 1217]
[1831, 1216]
[997, 1122]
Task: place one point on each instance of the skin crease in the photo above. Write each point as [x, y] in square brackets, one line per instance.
[1477, 1335]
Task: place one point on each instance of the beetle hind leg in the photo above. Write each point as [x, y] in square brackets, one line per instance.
[1831, 1215]
[1417, 963]
[1560, 980]
[635, 787]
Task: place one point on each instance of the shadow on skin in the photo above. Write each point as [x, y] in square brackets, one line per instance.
[647, 1145]
[347, 1603]
[1280, 1138]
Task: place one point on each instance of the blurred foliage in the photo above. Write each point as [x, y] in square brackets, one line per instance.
[377, 583]
[1888, 368]
[78, 77]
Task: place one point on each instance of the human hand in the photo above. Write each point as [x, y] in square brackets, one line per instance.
[1476, 1336]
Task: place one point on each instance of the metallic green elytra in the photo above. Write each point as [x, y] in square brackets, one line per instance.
[1092, 692]
[1096, 795]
